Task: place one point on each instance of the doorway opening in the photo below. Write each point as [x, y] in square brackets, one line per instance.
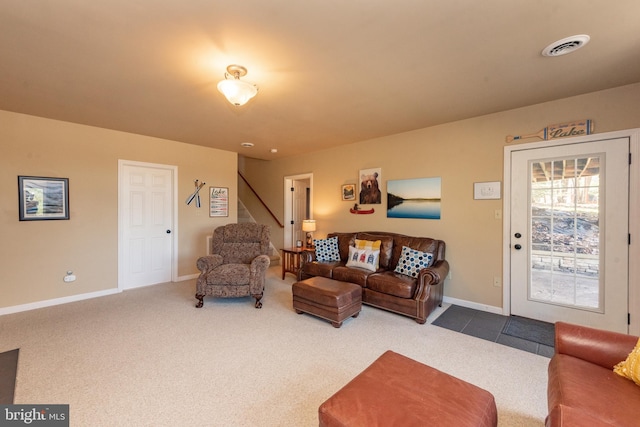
[298, 206]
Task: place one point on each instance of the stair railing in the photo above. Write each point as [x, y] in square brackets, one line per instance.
[261, 201]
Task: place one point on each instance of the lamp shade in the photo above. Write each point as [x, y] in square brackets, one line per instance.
[309, 225]
[237, 91]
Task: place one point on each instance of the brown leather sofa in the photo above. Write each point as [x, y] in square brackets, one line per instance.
[583, 390]
[413, 297]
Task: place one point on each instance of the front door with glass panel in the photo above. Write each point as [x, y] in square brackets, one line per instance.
[569, 233]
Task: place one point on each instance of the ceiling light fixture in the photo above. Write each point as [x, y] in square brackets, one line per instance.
[236, 91]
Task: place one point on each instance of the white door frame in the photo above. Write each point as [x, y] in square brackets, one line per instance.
[288, 204]
[634, 217]
[121, 215]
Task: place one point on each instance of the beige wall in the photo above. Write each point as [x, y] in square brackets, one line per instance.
[461, 153]
[35, 255]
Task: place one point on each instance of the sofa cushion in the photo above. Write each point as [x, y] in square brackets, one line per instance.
[423, 244]
[630, 367]
[412, 261]
[374, 245]
[390, 283]
[327, 249]
[324, 269]
[363, 258]
[592, 389]
[345, 240]
[386, 246]
[351, 274]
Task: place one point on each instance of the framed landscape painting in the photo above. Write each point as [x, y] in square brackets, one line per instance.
[414, 198]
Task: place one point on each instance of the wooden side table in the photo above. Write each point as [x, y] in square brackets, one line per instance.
[291, 260]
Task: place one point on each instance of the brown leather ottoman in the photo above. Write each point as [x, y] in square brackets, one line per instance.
[398, 391]
[327, 298]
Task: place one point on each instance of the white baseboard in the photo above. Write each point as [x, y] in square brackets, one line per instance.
[473, 305]
[56, 301]
[187, 277]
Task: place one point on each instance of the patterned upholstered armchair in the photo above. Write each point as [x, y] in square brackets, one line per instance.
[237, 265]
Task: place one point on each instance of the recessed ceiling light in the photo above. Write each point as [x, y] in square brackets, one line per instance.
[566, 45]
[247, 144]
[274, 150]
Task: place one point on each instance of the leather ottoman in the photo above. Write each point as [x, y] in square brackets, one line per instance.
[327, 298]
[398, 391]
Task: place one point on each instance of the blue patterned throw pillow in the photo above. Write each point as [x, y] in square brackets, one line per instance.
[327, 249]
[412, 261]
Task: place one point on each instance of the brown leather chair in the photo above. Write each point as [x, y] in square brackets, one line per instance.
[237, 265]
[583, 390]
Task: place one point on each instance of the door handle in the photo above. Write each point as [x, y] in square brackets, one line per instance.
[518, 247]
[517, 235]
[168, 231]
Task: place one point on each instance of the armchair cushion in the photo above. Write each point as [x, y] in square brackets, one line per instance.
[230, 274]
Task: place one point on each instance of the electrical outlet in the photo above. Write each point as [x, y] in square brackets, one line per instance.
[497, 282]
[449, 275]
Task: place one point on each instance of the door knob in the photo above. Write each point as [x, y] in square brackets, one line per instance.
[518, 235]
[168, 231]
[518, 247]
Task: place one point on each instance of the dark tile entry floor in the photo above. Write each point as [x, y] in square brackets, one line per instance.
[490, 327]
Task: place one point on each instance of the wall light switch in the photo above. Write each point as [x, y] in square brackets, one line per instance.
[498, 214]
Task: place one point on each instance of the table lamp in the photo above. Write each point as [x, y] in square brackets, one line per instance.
[309, 225]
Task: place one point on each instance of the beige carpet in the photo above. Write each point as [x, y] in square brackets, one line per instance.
[148, 357]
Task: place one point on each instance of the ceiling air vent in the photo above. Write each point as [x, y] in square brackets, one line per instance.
[567, 45]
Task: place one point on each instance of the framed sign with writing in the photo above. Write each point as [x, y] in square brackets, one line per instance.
[218, 201]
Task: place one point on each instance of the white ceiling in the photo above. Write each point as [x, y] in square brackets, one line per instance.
[329, 72]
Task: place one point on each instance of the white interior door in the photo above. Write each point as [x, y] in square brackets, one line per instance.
[569, 233]
[146, 225]
[300, 208]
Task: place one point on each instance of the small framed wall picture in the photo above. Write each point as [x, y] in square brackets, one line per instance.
[486, 190]
[349, 192]
[43, 198]
[218, 201]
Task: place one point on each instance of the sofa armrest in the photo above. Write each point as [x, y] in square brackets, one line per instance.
[436, 273]
[208, 263]
[431, 276]
[604, 348]
[257, 274]
[260, 264]
[307, 256]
